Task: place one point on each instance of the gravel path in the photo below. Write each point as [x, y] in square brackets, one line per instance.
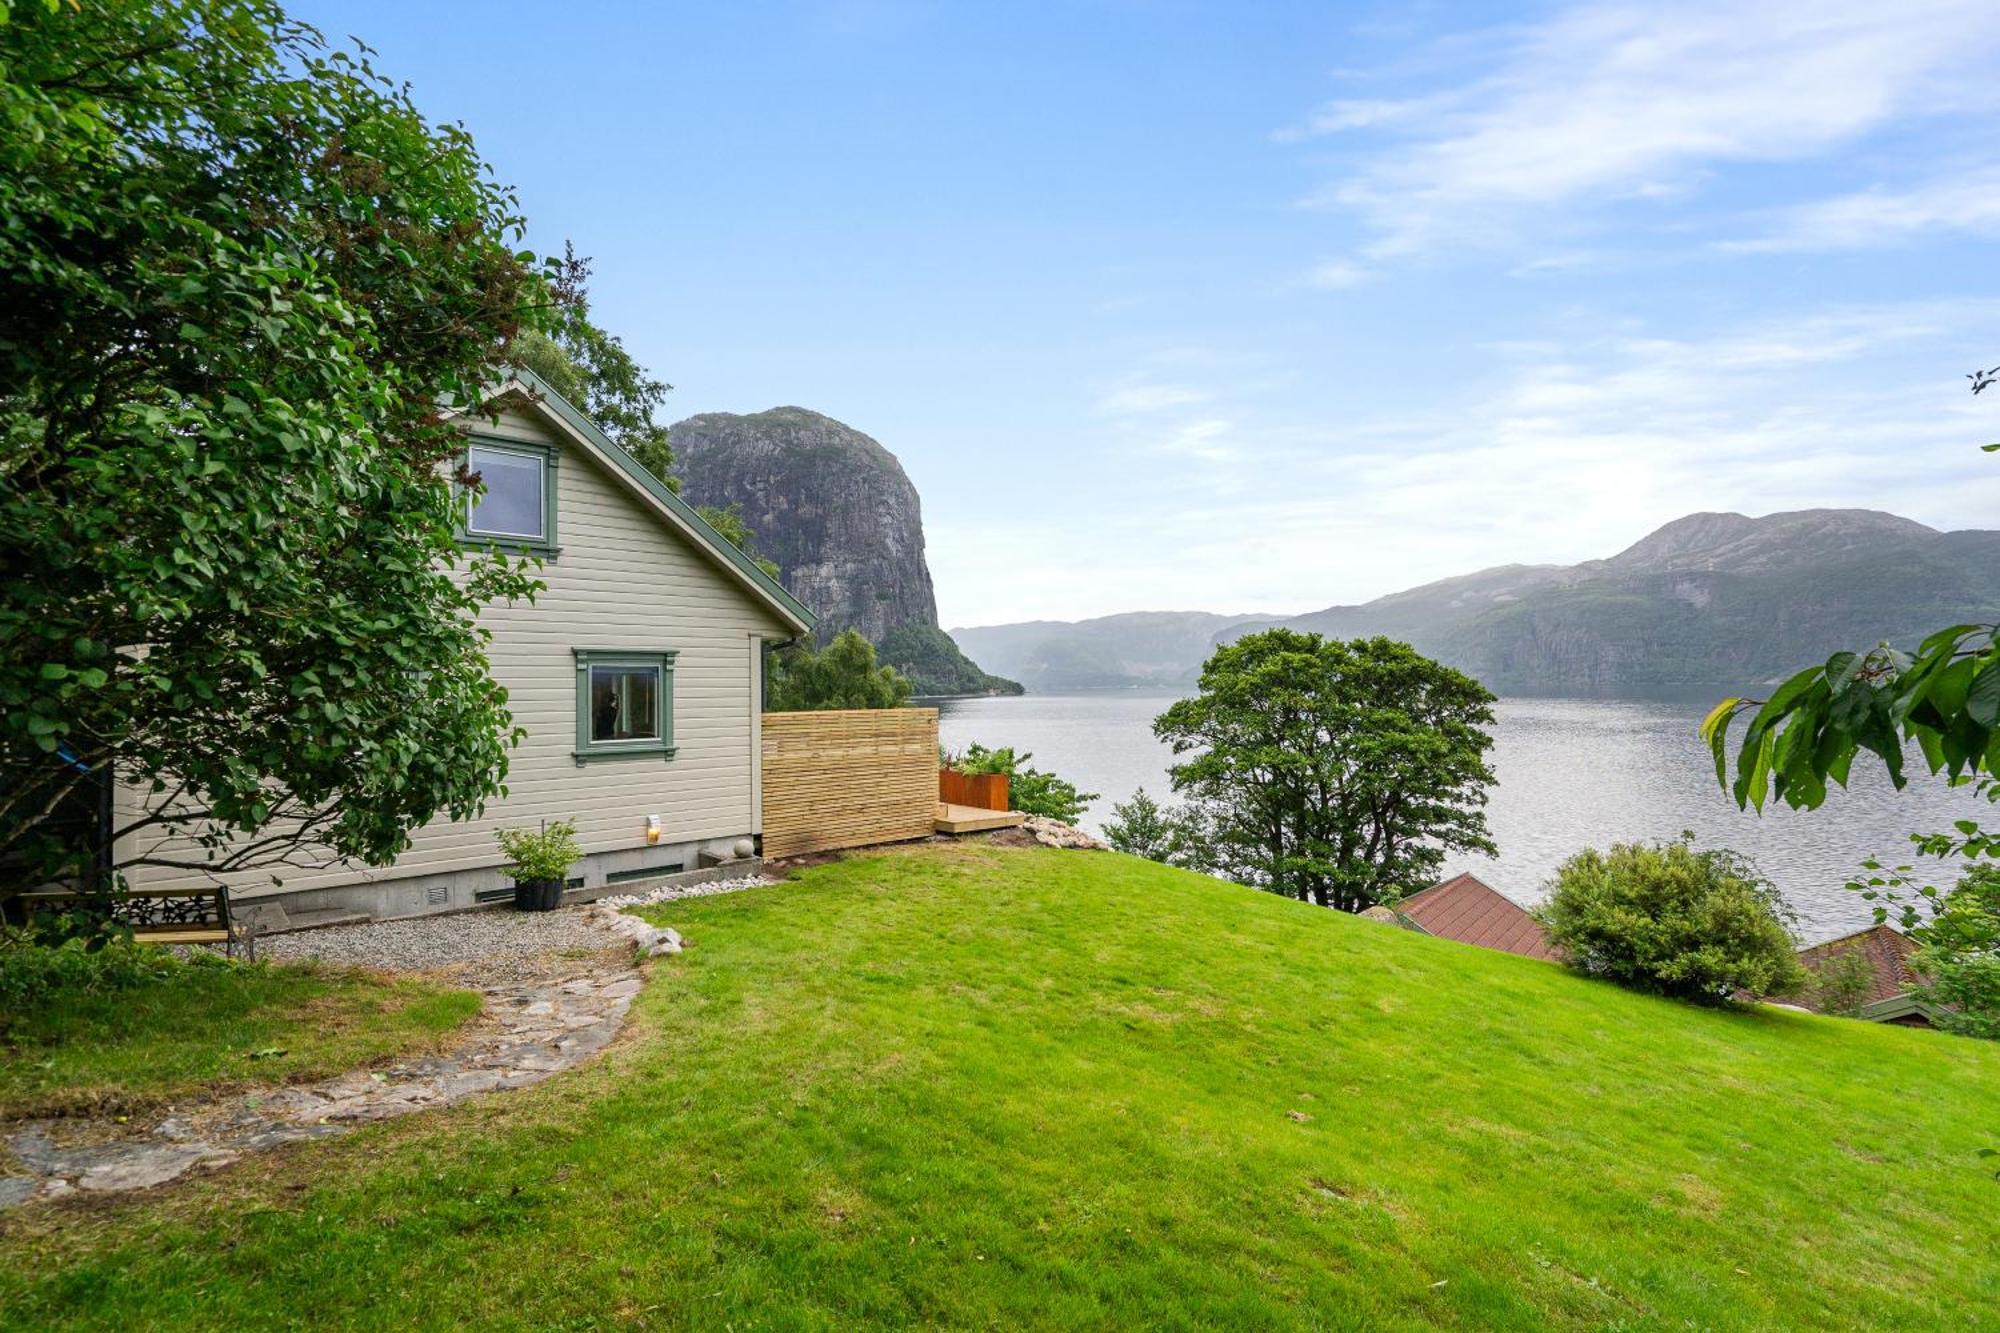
[503, 945]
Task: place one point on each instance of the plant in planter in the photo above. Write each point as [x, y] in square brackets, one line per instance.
[541, 861]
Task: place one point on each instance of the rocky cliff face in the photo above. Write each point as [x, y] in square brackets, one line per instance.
[838, 514]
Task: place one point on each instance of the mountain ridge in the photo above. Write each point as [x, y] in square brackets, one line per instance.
[1709, 600]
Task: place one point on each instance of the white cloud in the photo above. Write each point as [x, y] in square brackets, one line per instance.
[1143, 398]
[1568, 450]
[1208, 439]
[1337, 275]
[1880, 216]
[1611, 102]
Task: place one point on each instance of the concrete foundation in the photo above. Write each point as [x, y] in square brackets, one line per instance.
[598, 875]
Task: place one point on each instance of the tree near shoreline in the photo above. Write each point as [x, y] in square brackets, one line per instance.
[1340, 773]
[238, 273]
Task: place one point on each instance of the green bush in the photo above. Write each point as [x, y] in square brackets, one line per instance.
[1141, 827]
[542, 854]
[33, 972]
[1663, 917]
[1840, 983]
[1029, 790]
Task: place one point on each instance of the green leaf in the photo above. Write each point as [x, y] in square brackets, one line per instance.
[1982, 699]
[1715, 727]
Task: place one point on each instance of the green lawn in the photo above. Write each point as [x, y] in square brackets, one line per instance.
[206, 1029]
[1023, 1088]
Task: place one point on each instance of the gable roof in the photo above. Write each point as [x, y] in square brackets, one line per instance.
[523, 385]
[1887, 952]
[1463, 908]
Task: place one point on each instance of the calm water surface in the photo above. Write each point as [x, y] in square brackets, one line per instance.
[1572, 773]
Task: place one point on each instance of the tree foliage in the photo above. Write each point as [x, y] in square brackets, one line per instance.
[592, 370]
[1957, 930]
[1663, 917]
[799, 678]
[238, 272]
[1337, 772]
[1141, 827]
[1029, 790]
[729, 525]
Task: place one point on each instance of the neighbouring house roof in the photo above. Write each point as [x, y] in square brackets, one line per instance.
[1463, 908]
[523, 386]
[1891, 976]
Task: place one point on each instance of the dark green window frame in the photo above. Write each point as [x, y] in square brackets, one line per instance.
[660, 747]
[545, 545]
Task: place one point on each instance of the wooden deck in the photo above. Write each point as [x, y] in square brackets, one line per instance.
[971, 819]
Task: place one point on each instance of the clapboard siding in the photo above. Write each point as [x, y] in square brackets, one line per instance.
[848, 778]
[622, 579]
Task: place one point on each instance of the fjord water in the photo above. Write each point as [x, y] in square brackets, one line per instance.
[1572, 773]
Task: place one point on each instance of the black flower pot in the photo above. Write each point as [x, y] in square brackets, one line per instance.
[537, 895]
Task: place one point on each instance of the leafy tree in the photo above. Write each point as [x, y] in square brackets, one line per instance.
[1663, 917]
[592, 369]
[1944, 698]
[798, 678]
[1957, 930]
[729, 525]
[1840, 983]
[1141, 827]
[1029, 790]
[1337, 772]
[238, 272]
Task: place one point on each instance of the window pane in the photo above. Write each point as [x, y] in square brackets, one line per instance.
[624, 703]
[512, 504]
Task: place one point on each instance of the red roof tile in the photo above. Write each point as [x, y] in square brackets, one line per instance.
[1464, 909]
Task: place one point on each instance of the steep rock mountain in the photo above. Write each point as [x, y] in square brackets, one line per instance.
[1710, 601]
[837, 513]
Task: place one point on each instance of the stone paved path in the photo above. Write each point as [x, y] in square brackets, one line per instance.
[528, 1031]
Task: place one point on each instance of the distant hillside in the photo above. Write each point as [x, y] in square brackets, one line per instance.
[1137, 649]
[1708, 601]
[838, 514]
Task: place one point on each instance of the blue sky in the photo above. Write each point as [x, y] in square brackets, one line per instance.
[1267, 307]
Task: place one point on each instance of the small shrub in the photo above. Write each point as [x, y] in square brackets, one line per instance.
[1029, 790]
[1840, 983]
[1663, 917]
[1141, 827]
[540, 854]
[32, 971]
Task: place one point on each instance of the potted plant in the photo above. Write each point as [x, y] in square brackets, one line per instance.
[541, 861]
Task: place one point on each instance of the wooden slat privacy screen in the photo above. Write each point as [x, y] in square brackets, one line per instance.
[981, 791]
[848, 778]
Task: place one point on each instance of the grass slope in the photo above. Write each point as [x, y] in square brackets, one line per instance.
[209, 1029]
[1011, 1088]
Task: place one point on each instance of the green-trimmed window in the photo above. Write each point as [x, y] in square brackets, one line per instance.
[624, 703]
[516, 503]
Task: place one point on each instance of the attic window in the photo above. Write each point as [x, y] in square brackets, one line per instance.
[515, 503]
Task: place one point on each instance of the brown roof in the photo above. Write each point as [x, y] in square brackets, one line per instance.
[1464, 909]
[1887, 951]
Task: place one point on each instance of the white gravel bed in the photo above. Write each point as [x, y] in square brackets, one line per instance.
[502, 943]
[667, 893]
